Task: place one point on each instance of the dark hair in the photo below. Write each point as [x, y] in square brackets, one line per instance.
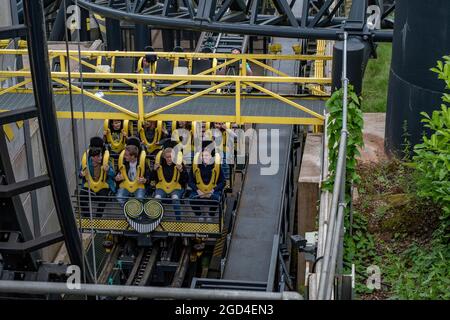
[95, 151]
[238, 49]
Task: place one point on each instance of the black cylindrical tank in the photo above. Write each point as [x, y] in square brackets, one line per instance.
[421, 37]
[357, 57]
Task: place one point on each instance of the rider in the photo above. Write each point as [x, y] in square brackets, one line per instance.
[133, 172]
[170, 175]
[98, 180]
[206, 177]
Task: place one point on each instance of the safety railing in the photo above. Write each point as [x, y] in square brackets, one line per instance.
[184, 210]
[99, 80]
[327, 266]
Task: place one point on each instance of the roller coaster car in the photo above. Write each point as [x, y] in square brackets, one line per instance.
[157, 217]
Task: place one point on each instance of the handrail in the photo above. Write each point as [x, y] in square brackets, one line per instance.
[336, 216]
[173, 55]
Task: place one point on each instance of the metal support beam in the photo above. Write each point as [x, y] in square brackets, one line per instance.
[17, 115]
[42, 88]
[283, 8]
[31, 245]
[200, 23]
[31, 287]
[15, 189]
[321, 13]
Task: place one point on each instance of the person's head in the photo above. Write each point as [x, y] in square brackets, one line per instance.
[131, 153]
[206, 156]
[96, 155]
[218, 125]
[167, 154]
[150, 124]
[236, 51]
[116, 124]
[182, 124]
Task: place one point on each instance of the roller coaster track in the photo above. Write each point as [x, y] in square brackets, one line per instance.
[143, 266]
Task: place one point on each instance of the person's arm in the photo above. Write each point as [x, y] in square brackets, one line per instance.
[249, 70]
[192, 184]
[147, 174]
[184, 178]
[110, 172]
[220, 181]
[153, 175]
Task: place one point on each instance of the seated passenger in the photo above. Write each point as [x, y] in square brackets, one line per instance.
[133, 172]
[206, 179]
[231, 69]
[171, 177]
[151, 133]
[98, 180]
[182, 132]
[115, 134]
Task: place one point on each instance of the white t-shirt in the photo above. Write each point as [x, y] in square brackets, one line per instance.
[132, 171]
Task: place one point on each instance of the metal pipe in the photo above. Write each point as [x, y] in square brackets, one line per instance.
[334, 251]
[333, 232]
[31, 287]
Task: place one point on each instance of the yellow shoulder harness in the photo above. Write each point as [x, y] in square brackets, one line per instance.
[116, 145]
[151, 145]
[168, 186]
[132, 186]
[214, 176]
[92, 184]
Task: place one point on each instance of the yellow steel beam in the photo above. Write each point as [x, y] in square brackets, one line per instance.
[212, 69]
[238, 102]
[141, 109]
[188, 98]
[265, 66]
[173, 55]
[18, 85]
[215, 78]
[192, 117]
[285, 100]
[94, 115]
[93, 96]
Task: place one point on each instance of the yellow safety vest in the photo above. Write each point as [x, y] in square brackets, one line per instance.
[168, 186]
[95, 185]
[201, 185]
[151, 145]
[132, 186]
[116, 145]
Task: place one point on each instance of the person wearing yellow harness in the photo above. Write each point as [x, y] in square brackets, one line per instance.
[133, 172]
[171, 177]
[151, 133]
[206, 180]
[115, 134]
[97, 176]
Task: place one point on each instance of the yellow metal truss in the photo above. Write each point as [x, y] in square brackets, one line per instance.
[138, 84]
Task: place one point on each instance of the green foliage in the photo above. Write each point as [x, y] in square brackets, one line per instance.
[358, 247]
[420, 272]
[432, 157]
[359, 250]
[355, 141]
[375, 82]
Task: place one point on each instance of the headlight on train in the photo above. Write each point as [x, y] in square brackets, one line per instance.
[153, 209]
[133, 208]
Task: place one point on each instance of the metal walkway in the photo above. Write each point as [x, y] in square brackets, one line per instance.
[200, 93]
[257, 221]
[253, 110]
